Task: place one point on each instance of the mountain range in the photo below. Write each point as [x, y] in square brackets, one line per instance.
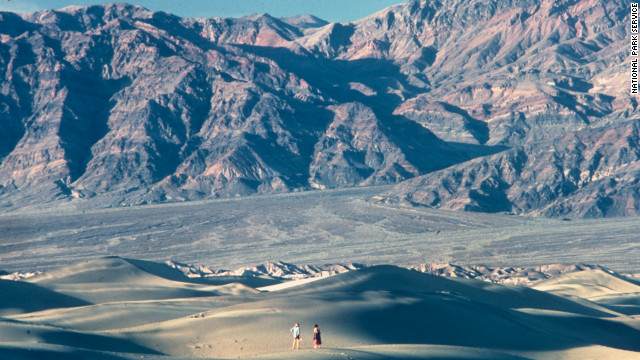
[516, 106]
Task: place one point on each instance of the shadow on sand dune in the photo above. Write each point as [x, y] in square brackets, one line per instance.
[21, 297]
[166, 272]
[381, 312]
[389, 305]
[17, 336]
[14, 353]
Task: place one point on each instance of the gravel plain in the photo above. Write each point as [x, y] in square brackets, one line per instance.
[316, 227]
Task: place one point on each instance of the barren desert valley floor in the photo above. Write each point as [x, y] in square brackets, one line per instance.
[95, 301]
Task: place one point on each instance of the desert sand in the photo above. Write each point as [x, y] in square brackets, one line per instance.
[115, 308]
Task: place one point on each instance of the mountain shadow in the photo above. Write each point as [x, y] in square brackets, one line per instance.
[389, 87]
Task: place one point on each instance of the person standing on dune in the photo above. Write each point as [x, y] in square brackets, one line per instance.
[317, 341]
[295, 330]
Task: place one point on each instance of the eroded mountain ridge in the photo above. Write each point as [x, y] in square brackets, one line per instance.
[118, 105]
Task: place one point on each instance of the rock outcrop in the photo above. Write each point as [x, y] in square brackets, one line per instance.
[118, 105]
[589, 173]
[526, 276]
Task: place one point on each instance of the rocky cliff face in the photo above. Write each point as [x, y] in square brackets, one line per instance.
[121, 105]
[504, 72]
[590, 173]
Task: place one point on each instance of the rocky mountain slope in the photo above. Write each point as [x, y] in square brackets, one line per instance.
[117, 105]
[589, 173]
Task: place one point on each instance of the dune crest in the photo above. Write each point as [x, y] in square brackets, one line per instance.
[378, 312]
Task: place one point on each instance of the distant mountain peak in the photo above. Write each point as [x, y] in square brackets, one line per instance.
[305, 21]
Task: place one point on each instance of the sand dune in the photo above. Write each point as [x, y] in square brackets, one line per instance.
[388, 305]
[114, 279]
[19, 297]
[27, 335]
[590, 284]
[119, 315]
[376, 352]
[609, 290]
[119, 308]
